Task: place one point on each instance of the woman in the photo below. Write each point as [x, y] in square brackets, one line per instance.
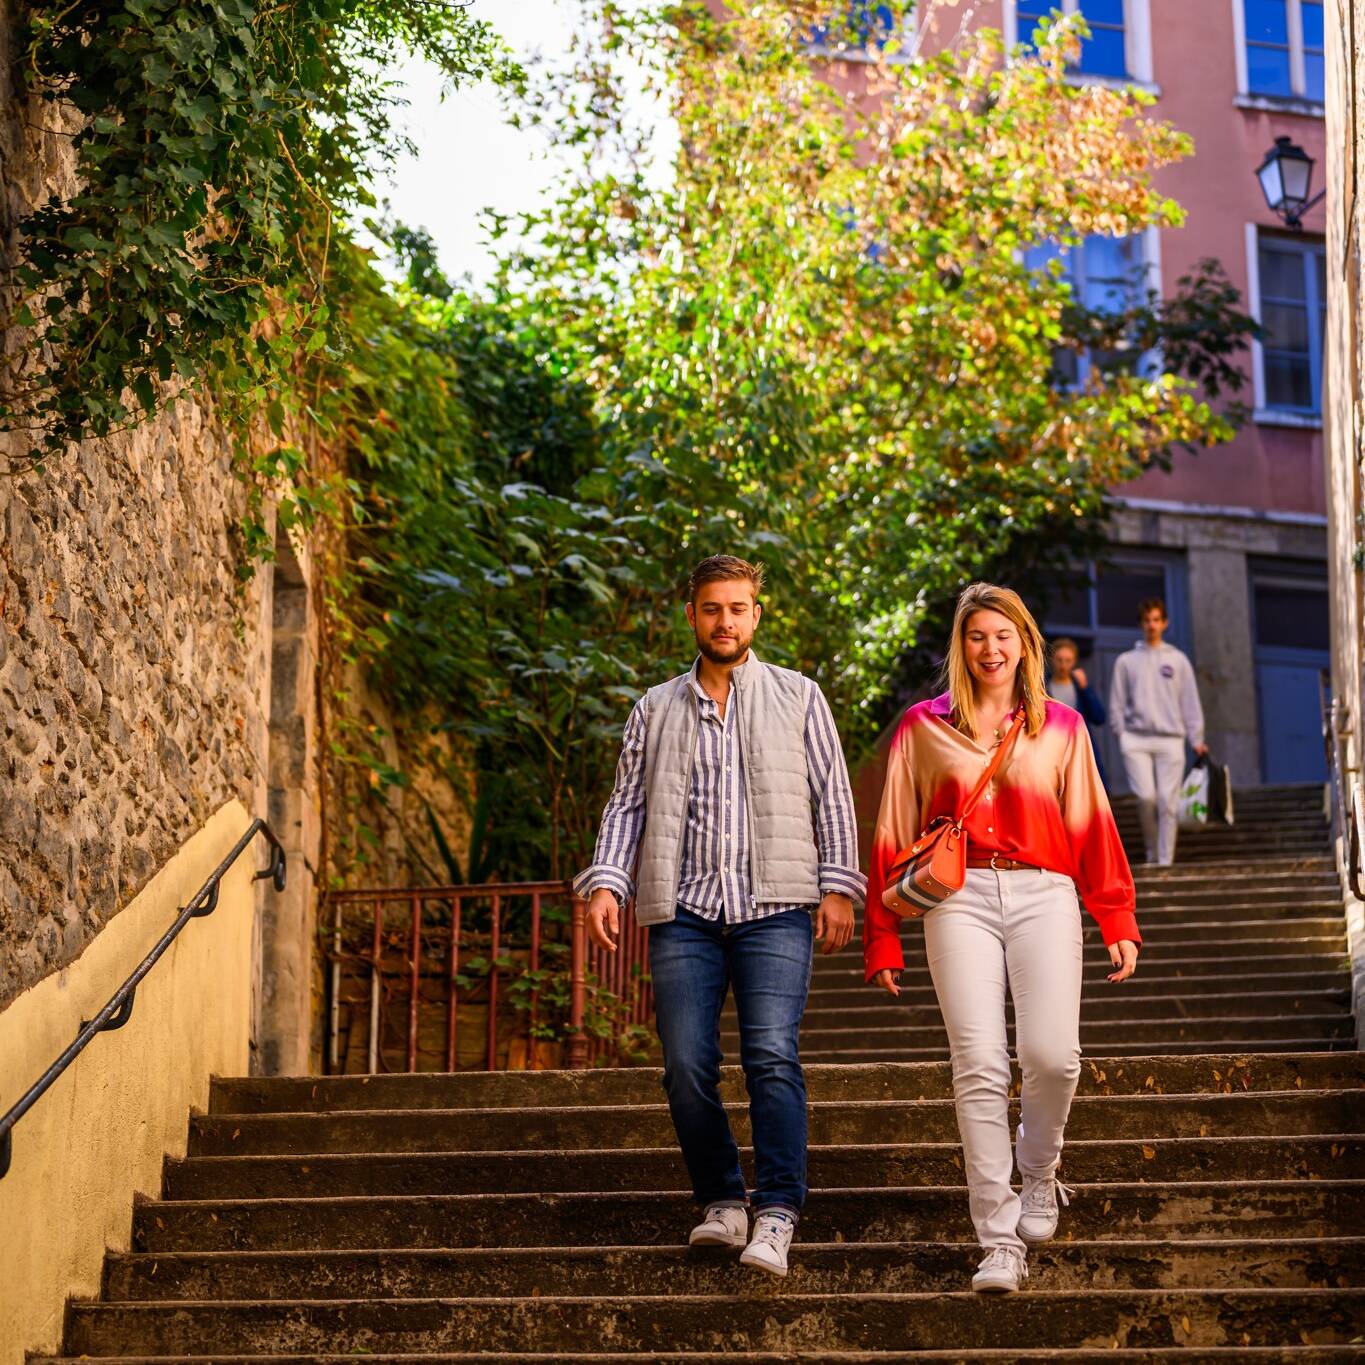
[1042, 830]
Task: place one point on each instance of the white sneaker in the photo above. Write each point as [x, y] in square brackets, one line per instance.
[1038, 1208]
[1002, 1271]
[724, 1225]
[772, 1236]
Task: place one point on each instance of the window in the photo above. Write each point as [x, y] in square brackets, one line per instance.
[1121, 589]
[1284, 57]
[1104, 52]
[1291, 612]
[1106, 275]
[861, 26]
[1292, 279]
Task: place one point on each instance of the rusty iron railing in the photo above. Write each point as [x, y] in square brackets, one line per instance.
[417, 947]
[621, 980]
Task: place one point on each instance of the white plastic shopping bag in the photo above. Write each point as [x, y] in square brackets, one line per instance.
[1194, 796]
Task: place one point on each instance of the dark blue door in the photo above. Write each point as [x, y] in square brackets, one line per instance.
[1291, 621]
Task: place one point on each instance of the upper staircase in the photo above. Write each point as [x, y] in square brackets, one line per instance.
[1217, 1147]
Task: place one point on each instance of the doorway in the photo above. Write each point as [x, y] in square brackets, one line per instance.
[1292, 625]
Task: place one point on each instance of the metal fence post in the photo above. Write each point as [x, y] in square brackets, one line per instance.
[576, 1044]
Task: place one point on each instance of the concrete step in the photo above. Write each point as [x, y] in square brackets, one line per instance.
[1200, 934]
[1329, 1156]
[919, 990]
[825, 1268]
[1191, 1046]
[1100, 1000]
[727, 1322]
[1172, 911]
[1287, 1208]
[1146, 1035]
[628, 1127]
[1298, 969]
[1216, 1073]
[1307, 863]
[1194, 853]
[1239, 1354]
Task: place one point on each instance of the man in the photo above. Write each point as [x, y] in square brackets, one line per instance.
[730, 823]
[1070, 686]
[1154, 708]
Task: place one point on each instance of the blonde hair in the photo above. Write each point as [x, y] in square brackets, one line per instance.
[1028, 683]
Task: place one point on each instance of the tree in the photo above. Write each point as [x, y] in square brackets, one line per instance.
[818, 345]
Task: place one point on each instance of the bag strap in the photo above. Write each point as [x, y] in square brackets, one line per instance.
[992, 768]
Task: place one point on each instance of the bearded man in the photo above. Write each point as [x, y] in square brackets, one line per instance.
[731, 825]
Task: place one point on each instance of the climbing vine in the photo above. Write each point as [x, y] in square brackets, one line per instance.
[223, 150]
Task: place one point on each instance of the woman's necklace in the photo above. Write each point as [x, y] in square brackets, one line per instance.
[999, 730]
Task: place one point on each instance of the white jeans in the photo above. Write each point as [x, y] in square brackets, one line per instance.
[1023, 926]
[1155, 765]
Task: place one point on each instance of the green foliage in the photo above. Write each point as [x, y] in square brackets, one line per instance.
[221, 147]
[818, 346]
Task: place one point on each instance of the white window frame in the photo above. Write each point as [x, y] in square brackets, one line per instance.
[1262, 414]
[1137, 43]
[909, 28]
[1296, 103]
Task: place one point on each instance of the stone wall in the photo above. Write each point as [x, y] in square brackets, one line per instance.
[1345, 422]
[135, 676]
[141, 688]
[132, 679]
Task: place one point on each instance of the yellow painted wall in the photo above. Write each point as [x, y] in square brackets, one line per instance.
[100, 1134]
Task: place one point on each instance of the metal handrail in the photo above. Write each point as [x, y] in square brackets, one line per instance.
[1350, 811]
[119, 1009]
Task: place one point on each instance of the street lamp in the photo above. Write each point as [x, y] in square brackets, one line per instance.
[1286, 175]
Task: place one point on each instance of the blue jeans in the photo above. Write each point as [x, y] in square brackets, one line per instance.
[692, 963]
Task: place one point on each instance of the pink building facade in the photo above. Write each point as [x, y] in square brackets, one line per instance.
[1233, 538]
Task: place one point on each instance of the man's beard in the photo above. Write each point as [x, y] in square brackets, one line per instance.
[726, 652]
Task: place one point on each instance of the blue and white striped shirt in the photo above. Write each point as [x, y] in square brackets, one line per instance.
[714, 876]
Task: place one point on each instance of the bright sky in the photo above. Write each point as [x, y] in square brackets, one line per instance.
[468, 159]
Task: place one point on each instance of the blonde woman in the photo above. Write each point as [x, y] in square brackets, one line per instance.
[1042, 832]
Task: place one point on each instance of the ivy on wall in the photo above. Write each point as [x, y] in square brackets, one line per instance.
[223, 149]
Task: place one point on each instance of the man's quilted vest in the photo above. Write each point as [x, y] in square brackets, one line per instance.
[771, 719]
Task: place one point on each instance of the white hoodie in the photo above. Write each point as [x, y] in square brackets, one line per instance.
[1153, 692]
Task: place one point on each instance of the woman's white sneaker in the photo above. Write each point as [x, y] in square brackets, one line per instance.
[1002, 1271]
[1038, 1208]
[772, 1237]
[723, 1225]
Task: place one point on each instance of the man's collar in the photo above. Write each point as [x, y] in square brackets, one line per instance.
[738, 675]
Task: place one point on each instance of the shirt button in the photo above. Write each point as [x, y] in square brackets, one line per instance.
[727, 833]
[990, 829]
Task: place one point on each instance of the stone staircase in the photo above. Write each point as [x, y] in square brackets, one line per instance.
[1217, 1145]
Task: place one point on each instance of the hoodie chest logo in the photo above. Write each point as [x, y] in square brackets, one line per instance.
[1168, 671]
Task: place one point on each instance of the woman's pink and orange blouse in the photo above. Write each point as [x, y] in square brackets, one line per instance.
[1047, 807]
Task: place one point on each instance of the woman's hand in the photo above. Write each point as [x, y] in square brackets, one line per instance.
[1123, 955]
[888, 979]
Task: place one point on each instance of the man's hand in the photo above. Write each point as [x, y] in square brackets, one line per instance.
[834, 922]
[1123, 955]
[604, 919]
[1079, 675]
[1202, 750]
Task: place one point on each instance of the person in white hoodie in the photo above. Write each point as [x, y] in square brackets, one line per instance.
[1154, 708]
